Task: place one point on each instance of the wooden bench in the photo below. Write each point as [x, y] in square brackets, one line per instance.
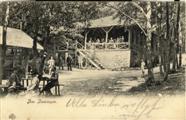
[4, 87]
[57, 89]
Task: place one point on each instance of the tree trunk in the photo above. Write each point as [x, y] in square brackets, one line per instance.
[149, 45]
[159, 22]
[180, 57]
[3, 46]
[35, 46]
[178, 32]
[46, 37]
[167, 49]
[174, 50]
[36, 28]
[1, 64]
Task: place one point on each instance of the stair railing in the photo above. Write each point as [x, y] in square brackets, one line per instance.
[80, 46]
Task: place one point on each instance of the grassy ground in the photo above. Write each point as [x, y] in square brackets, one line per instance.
[174, 85]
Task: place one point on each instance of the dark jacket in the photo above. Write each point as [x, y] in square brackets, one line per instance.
[69, 60]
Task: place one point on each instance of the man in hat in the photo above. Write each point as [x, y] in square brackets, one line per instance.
[61, 62]
[69, 62]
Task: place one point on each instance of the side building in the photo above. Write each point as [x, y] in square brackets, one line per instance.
[18, 50]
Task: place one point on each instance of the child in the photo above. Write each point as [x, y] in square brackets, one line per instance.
[142, 68]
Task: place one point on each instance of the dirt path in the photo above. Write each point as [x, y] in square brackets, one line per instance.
[98, 81]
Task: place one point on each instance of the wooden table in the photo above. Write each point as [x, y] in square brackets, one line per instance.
[45, 79]
[56, 87]
[4, 87]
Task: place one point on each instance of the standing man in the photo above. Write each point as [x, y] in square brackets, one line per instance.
[60, 62]
[69, 62]
[41, 67]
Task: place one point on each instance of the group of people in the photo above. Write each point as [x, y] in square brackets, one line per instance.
[44, 69]
[111, 40]
[15, 86]
[101, 43]
[68, 60]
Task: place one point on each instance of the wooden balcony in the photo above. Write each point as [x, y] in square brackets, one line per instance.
[122, 45]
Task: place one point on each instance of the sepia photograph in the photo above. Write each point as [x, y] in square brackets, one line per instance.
[92, 60]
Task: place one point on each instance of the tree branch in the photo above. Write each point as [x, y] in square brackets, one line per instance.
[140, 8]
[111, 6]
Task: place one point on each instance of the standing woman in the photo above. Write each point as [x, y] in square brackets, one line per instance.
[51, 63]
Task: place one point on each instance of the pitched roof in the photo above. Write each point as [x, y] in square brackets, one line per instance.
[105, 22]
[18, 38]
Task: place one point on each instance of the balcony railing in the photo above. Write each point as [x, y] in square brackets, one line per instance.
[122, 45]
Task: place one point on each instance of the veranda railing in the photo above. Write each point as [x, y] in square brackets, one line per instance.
[122, 45]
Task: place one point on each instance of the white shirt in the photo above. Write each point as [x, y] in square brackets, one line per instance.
[51, 62]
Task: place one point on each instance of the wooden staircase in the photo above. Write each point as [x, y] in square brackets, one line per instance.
[87, 55]
[93, 61]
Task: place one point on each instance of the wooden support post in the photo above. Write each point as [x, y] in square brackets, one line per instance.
[129, 37]
[106, 38]
[106, 34]
[86, 34]
[26, 82]
[58, 87]
[1, 65]
[22, 80]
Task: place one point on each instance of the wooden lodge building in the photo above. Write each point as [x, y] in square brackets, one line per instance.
[19, 47]
[109, 43]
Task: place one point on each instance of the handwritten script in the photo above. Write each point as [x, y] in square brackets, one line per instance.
[130, 109]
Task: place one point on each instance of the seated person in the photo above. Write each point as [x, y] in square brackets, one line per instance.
[53, 80]
[111, 41]
[98, 40]
[35, 82]
[89, 44]
[14, 83]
